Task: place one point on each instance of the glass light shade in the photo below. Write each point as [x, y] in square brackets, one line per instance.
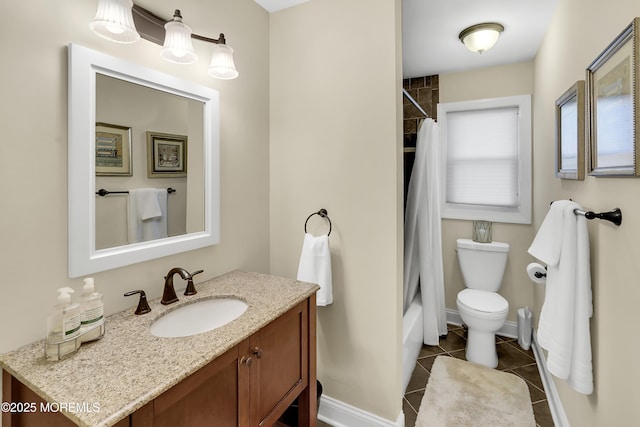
[114, 21]
[177, 42]
[222, 65]
[482, 37]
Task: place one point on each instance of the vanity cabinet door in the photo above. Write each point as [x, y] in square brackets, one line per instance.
[214, 395]
[279, 370]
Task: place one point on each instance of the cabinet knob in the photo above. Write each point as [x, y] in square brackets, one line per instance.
[257, 352]
[246, 361]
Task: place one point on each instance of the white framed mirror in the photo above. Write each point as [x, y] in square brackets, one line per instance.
[185, 114]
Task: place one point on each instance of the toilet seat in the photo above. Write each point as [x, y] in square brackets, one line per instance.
[483, 302]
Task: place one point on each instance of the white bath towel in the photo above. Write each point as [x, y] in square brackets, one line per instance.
[143, 221]
[315, 266]
[562, 242]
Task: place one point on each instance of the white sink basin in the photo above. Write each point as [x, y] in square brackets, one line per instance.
[199, 317]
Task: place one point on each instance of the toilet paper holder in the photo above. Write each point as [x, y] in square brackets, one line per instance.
[537, 272]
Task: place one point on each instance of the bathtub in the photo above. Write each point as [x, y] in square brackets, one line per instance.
[412, 338]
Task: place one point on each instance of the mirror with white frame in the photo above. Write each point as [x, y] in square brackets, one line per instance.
[100, 226]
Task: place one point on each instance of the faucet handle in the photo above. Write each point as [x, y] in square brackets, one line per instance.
[143, 305]
[191, 289]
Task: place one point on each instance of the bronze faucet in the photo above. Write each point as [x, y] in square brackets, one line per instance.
[169, 295]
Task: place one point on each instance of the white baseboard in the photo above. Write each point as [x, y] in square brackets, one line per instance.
[510, 329]
[553, 399]
[340, 414]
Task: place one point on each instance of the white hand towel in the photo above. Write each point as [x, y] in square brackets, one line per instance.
[562, 242]
[315, 266]
[147, 200]
[140, 230]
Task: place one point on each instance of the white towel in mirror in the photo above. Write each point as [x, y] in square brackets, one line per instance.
[147, 214]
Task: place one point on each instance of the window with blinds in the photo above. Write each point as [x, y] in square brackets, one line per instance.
[487, 160]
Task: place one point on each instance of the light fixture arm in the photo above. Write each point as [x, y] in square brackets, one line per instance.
[151, 27]
[219, 40]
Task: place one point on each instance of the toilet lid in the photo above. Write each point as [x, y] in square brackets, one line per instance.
[488, 302]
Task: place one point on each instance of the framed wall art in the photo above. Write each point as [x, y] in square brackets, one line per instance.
[166, 155]
[113, 150]
[612, 89]
[570, 133]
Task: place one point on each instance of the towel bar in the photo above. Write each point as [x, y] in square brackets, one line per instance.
[323, 214]
[103, 192]
[614, 216]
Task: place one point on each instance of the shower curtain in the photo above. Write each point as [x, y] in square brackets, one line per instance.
[423, 237]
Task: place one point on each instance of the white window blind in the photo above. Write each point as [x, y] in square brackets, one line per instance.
[482, 157]
[486, 159]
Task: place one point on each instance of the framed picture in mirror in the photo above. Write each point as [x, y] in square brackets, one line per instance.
[570, 133]
[113, 150]
[612, 89]
[166, 155]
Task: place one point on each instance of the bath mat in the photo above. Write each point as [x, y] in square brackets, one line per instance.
[460, 393]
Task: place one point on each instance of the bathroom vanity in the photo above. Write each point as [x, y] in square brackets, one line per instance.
[245, 373]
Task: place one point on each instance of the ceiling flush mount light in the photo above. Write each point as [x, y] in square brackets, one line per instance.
[125, 22]
[481, 37]
[177, 42]
[114, 21]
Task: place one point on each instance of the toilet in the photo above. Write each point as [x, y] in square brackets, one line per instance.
[481, 308]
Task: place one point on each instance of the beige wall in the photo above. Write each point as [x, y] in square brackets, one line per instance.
[336, 144]
[494, 82]
[580, 30]
[33, 226]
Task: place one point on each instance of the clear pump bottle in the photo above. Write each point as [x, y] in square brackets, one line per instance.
[92, 318]
[63, 327]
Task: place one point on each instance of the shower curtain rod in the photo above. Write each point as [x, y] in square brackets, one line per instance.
[415, 103]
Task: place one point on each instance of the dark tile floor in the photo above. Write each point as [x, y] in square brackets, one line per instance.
[511, 358]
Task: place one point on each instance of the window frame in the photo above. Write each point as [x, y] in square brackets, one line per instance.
[521, 214]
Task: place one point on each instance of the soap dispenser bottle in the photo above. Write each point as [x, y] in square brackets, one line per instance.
[63, 327]
[92, 317]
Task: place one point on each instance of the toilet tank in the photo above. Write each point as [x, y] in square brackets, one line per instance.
[482, 264]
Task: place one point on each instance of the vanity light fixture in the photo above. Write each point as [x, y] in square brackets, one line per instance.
[481, 37]
[177, 42]
[222, 66]
[123, 17]
[114, 21]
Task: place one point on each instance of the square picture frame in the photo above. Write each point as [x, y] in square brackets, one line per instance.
[612, 90]
[166, 155]
[113, 150]
[571, 132]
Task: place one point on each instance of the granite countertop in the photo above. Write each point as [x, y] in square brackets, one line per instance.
[129, 367]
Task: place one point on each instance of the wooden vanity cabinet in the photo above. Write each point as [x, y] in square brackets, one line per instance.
[251, 385]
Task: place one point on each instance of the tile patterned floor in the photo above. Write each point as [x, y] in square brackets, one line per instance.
[511, 358]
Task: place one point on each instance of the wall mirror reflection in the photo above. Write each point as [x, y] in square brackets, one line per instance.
[138, 207]
[570, 133]
[613, 106]
[120, 214]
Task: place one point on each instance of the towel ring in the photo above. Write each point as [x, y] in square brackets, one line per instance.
[323, 214]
